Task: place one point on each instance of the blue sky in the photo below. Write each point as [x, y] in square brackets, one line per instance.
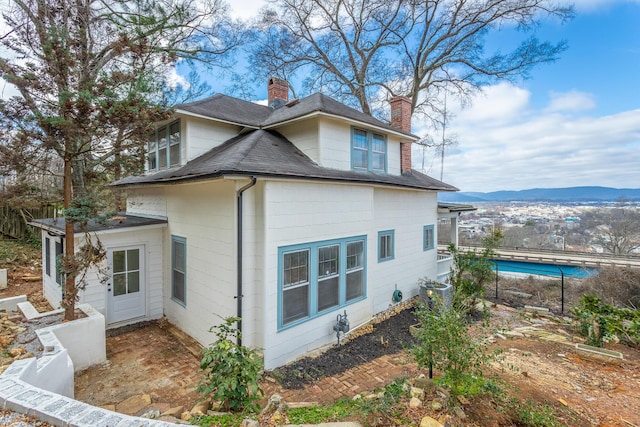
[574, 122]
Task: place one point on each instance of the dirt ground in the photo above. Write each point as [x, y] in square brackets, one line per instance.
[600, 393]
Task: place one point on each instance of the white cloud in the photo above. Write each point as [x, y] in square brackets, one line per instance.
[245, 9]
[531, 148]
[571, 101]
[496, 104]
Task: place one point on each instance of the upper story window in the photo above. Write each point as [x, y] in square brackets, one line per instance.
[368, 151]
[164, 147]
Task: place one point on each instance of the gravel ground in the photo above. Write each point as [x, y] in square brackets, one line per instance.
[14, 419]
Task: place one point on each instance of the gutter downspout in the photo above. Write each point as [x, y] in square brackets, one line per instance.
[239, 295]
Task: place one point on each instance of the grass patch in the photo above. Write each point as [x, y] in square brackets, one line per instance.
[532, 414]
[224, 420]
[319, 414]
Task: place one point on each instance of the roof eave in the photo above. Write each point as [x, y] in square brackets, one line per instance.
[342, 118]
[235, 173]
[202, 116]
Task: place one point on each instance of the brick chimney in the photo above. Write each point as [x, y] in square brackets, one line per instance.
[401, 120]
[278, 92]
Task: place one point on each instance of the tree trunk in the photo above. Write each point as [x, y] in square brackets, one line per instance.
[69, 301]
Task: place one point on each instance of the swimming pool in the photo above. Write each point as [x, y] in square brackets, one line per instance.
[551, 270]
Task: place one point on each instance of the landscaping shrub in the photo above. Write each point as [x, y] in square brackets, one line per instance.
[445, 344]
[231, 371]
[602, 323]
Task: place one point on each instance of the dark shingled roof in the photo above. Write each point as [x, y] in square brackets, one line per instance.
[269, 154]
[229, 109]
[324, 104]
[234, 110]
[121, 220]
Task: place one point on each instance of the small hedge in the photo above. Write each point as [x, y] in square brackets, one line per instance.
[602, 323]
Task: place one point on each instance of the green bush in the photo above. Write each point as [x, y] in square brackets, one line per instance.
[602, 323]
[231, 371]
[445, 344]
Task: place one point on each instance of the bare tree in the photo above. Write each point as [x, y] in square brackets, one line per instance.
[616, 229]
[362, 51]
[87, 72]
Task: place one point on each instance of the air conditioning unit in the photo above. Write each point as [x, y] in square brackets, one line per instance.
[438, 291]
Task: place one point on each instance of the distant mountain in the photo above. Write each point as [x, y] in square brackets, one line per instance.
[569, 194]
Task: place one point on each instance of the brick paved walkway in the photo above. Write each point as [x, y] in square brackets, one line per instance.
[164, 362]
[362, 379]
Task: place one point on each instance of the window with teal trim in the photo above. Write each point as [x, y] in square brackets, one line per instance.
[428, 237]
[179, 269]
[163, 147]
[318, 277]
[47, 256]
[385, 245]
[368, 151]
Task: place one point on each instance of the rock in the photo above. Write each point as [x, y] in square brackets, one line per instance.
[176, 411]
[5, 340]
[109, 407]
[248, 422]
[447, 421]
[276, 419]
[272, 404]
[424, 383]
[436, 405]
[134, 404]
[357, 397]
[458, 412]
[430, 422]
[173, 420]
[201, 408]
[443, 393]
[415, 403]
[463, 400]
[17, 352]
[293, 405]
[417, 392]
[151, 414]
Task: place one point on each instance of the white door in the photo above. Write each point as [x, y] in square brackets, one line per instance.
[126, 287]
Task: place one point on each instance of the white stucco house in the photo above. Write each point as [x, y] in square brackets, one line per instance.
[284, 215]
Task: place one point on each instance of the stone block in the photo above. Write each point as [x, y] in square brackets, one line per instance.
[3, 278]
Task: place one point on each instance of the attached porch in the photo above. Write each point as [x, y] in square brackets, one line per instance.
[448, 214]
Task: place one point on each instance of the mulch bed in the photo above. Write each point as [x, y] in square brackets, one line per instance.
[388, 337]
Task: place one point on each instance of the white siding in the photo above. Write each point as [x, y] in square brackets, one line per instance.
[200, 135]
[51, 290]
[393, 155]
[95, 292]
[298, 213]
[406, 212]
[204, 214]
[147, 201]
[303, 135]
[335, 144]
[151, 237]
[301, 213]
[253, 266]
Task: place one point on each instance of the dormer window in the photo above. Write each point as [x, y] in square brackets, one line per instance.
[368, 151]
[164, 147]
